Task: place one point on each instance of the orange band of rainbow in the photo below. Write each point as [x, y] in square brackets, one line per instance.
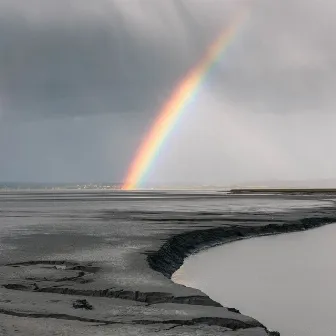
[180, 98]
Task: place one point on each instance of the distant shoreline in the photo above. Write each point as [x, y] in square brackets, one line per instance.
[283, 191]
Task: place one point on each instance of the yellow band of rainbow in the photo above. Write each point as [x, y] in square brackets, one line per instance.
[177, 103]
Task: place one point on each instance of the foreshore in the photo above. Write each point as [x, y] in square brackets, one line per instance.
[121, 263]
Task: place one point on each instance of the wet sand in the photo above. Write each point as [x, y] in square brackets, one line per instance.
[117, 251]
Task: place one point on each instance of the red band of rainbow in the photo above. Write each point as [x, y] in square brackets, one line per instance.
[177, 103]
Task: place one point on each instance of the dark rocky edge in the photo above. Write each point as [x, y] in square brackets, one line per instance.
[170, 257]
[210, 321]
[149, 298]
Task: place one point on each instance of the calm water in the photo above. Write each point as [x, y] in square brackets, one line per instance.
[288, 282]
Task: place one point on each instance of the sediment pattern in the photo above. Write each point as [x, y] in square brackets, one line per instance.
[112, 268]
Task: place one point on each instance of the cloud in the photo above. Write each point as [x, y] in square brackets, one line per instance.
[284, 59]
[73, 57]
[87, 78]
[79, 149]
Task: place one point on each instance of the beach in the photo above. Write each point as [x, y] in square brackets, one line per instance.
[100, 262]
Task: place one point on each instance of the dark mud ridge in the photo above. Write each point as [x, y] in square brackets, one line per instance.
[169, 258]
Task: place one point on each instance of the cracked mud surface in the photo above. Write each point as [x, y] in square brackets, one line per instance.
[119, 258]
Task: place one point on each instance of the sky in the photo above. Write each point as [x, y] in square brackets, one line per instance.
[81, 82]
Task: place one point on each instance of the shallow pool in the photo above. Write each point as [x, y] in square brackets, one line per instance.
[287, 282]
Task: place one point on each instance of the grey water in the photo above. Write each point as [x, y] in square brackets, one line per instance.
[287, 282]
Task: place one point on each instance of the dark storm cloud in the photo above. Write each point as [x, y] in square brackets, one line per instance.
[72, 60]
[75, 57]
[77, 70]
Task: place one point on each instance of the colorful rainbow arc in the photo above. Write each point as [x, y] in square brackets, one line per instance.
[177, 103]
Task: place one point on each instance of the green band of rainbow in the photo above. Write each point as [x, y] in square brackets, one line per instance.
[177, 104]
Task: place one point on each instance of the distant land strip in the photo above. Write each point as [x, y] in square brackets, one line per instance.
[283, 190]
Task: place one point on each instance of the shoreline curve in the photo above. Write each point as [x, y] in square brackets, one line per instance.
[171, 255]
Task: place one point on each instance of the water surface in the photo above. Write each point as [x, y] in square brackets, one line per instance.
[287, 282]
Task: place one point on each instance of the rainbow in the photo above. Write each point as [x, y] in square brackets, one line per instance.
[183, 94]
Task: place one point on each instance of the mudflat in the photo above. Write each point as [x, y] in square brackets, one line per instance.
[75, 262]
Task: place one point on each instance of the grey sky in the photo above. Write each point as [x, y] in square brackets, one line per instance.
[81, 81]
